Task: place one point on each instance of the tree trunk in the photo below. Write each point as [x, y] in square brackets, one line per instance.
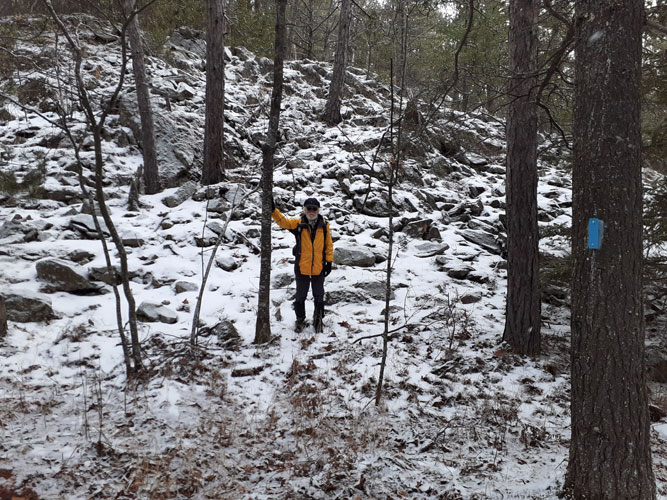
[610, 456]
[151, 177]
[3, 317]
[213, 170]
[263, 325]
[332, 108]
[522, 317]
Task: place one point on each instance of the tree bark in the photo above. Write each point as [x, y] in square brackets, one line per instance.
[213, 169]
[263, 325]
[3, 317]
[522, 317]
[610, 456]
[332, 108]
[151, 175]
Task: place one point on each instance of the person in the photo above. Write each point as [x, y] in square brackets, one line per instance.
[313, 258]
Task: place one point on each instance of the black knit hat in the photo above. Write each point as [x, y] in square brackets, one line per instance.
[311, 202]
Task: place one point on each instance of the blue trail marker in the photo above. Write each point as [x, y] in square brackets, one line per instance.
[595, 232]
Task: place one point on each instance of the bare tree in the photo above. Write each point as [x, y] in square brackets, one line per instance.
[96, 119]
[214, 121]
[150, 170]
[522, 315]
[610, 455]
[332, 108]
[263, 325]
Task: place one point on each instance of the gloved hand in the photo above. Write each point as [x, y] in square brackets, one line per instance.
[273, 205]
[327, 268]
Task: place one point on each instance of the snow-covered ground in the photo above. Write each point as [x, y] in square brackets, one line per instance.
[460, 417]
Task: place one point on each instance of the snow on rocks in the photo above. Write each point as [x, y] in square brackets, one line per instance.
[25, 306]
[152, 312]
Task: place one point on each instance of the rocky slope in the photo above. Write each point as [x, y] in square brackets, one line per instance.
[461, 417]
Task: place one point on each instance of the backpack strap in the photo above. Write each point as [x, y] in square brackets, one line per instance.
[296, 251]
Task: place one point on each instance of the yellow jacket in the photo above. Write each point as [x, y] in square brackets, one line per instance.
[313, 251]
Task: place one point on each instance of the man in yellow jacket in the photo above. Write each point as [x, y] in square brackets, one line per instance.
[314, 254]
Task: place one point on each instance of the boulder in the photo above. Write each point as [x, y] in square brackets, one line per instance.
[482, 239]
[374, 289]
[85, 225]
[430, 249]
[182, 286]
[471, 297]
[348, 296]
[62, 276]
[459, 273]
[25, 306]
[181, 194]
[102, 273]
[282, 280]
[227, 263]
[228, 335]
[132, 239]
[151, 313]
[418, 229]
[358, 256]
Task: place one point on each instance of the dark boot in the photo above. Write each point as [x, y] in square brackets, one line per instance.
[300, 310]
[318, 316]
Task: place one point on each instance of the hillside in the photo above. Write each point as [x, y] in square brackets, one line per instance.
[461, 418]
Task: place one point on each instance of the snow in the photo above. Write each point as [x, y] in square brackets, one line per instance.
[470, 421]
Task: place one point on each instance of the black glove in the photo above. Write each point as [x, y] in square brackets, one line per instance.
[327, 268]
[273, 205]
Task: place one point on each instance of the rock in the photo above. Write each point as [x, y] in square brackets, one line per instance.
[228, 335]
[85, 225]
[62, 276]
[12, 228]
[25, 306]
[433, 234]
[481, 239]
[80, 256]
[358, 257]
[181, 194]
[459, 273]
[418, 229]
[227, 263]
[151, 313]
[102, 273]
[132, 239]
[282, 280]
[185, 286]
[430, 249]
[475, 160]
[219, 206]
[374, 289]
[349, 296]
[475, 191]
[216, 227]
[470, 298]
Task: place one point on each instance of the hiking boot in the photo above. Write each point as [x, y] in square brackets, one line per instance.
[318, 316]
[300, 325]
[317, 324]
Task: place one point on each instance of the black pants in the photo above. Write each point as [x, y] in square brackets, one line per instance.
[303, 283]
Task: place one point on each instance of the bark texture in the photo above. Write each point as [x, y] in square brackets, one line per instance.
[522, 318]
[610, 456]
[263, 325]
[332, 108]
[151, 174]
[3, 317]
[214, 120]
